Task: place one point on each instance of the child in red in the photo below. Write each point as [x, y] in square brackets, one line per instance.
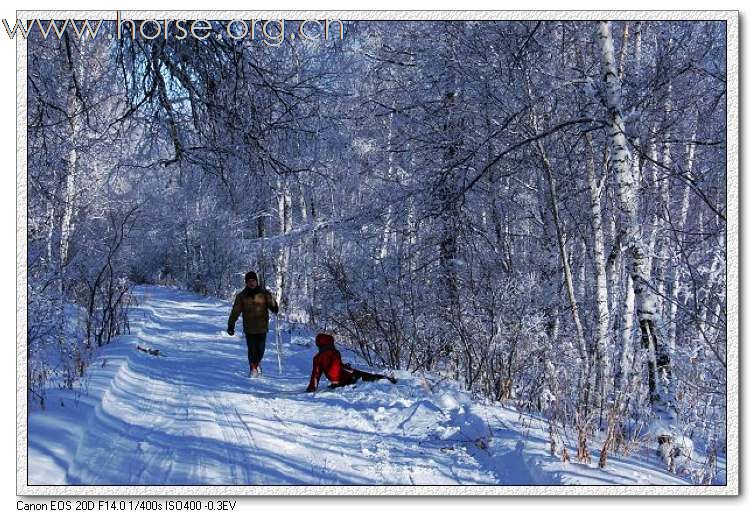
[328, 361]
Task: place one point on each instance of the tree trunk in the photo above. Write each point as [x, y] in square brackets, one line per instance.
[284, 249]
[674, 270]
[601, 282]
[628, 189]
[585, 366]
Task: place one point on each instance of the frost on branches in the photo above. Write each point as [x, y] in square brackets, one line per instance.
[534, 210]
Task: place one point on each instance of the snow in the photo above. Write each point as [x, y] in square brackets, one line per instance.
[192, 417]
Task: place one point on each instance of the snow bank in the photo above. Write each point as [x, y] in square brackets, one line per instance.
[191, 416]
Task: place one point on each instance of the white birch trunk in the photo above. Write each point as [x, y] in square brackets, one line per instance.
[387, 232]
[601, 282]
[74, 111]
[623, 50]
[67, 223]
[682, 222]
[50, 230]
[637, 48]
[655, 223]
[389, 222]
[638, 263]
[663, 352]
[627, 344]
[307, 254]
[284, 251]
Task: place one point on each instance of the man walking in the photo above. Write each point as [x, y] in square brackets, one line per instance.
[253, 304]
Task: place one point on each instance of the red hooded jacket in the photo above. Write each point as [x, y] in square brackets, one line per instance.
[328, 361]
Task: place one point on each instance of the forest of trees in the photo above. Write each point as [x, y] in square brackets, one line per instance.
[534, 209]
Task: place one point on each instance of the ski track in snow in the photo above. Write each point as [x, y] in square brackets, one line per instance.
[192, 417]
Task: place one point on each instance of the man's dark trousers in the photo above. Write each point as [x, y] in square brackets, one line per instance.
[255, 346]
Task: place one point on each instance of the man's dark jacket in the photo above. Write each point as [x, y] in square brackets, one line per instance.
[253, 304]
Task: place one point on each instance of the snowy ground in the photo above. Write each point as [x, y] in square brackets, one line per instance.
[192, 417]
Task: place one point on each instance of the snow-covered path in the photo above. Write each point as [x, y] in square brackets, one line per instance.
[192, 417]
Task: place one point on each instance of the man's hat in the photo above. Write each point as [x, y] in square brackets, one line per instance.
[251, 275]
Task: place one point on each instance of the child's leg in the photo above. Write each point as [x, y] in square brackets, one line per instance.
[367, 377]
[372, 377]
[349, 378]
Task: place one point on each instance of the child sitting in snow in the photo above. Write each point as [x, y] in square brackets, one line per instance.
[328, 361]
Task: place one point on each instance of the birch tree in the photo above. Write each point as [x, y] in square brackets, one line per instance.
[639, 263]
